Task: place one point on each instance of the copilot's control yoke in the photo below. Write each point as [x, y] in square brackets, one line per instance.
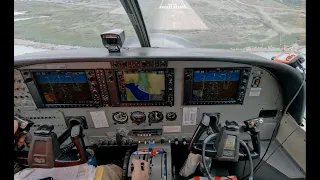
[45, 151]
[231, 129]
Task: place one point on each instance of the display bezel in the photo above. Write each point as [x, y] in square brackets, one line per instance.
[188, 86]
[75, 104]
[168, 94]
[137, 71]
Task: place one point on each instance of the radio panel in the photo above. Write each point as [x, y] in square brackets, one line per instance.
[139, 64]
[210, 86]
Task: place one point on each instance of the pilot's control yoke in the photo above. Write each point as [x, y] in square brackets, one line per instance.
[211, 121]
[227, 145]
[45, 151]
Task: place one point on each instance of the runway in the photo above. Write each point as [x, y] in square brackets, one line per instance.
[176, 15]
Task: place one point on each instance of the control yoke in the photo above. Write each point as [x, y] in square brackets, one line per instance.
[229, 131]
[45, 151]
[208, 120]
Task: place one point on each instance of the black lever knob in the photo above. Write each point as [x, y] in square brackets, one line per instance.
[232, 125]
[119, 139]
[176, 141]
[184, 141]
[44, 130]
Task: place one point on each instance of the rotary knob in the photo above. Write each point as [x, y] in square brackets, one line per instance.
[130, 141]
[176, 141]
[184, 141]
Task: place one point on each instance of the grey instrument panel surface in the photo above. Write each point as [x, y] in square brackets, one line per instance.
[270, 98]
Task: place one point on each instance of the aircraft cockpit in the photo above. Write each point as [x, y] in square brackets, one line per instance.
[132, 111]
[190, 113]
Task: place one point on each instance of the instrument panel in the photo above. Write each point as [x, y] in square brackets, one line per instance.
[71, 88]
[155, 100]
[136, 87]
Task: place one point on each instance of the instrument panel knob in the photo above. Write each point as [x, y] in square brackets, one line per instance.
[130, 141]
[113, 142]
[124, 141]
[184, 141]
[176, 141]
[245, 75]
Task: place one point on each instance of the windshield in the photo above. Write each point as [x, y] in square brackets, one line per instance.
[229, 24]
[67, 23]
[251, 25]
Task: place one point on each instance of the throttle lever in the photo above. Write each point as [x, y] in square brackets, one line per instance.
[77, 138]
[119, 139]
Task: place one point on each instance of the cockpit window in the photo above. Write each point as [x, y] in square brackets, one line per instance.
[65, 24]
[243, 25]
[249, 25]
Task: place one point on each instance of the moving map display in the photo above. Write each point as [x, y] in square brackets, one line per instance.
[59, 87]
[141, 85]
[215, 85]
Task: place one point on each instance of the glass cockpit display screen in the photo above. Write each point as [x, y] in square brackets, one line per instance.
[135, 86]
[211, 85]
[61, 87]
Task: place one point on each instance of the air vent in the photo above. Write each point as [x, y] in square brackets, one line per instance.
[268, 113]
